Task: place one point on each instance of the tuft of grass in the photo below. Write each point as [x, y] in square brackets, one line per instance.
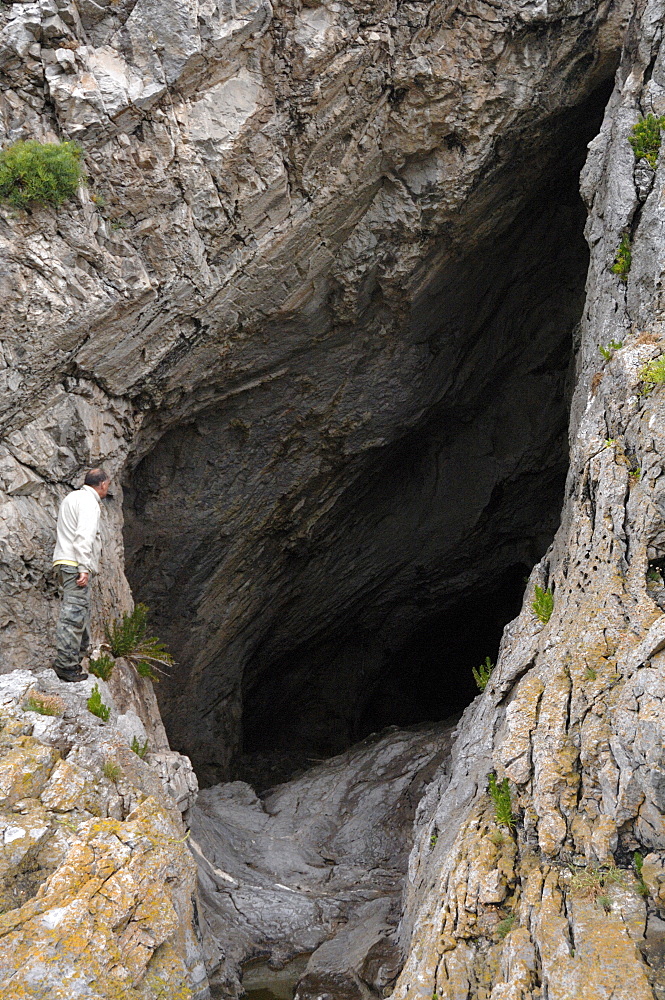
[638, 865]
[654, 576]
[97, 706]
[590, 674]
[623, 258]
[102, 667]
[605, 902]
[482, 674]
[543, 604]
[505, 926]
[635, 474]
[111, 770]
[44, 704]
[46, 173]
[128, 637]
[497, 838]
[591, 882]
[499, 792]
[652, 374]
[645, 138]
[140, 749]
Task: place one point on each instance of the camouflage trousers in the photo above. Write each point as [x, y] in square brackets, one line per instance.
[72, 637]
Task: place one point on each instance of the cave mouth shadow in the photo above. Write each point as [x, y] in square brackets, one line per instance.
[513, 308]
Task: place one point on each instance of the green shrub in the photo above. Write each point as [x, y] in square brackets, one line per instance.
[102, 667]
[504, 927]
[543, 605]
[482, 674]
[42, 172]
[645, 138]
[499, 792]
[638, 864]
[97, 706]
[607, 352]
[653, 374]
[623, 258]
[127, 637]
[140, 749]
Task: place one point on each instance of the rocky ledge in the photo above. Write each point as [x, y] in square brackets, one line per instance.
[98, 884]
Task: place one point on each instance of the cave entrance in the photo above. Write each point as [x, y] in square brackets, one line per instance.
[315, 590]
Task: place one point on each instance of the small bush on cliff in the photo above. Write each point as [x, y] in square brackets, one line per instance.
[645, 138]
[112, 770]
[653, 374]
[102, 666]
[41, 172]
[128, 637]
[499, 792]
[592, 883]
[543, 604]
[623, 258]
[482, 674]
[97, 706]
[140, 749]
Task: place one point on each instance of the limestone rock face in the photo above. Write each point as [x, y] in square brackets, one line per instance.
[98, 884]
[573, 716]
[315, 310]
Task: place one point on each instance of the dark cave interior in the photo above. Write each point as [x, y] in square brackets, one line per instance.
[407, 583]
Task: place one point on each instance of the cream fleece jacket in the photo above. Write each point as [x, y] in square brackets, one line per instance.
[77, 540]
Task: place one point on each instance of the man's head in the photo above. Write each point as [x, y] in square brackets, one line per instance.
[99, 480]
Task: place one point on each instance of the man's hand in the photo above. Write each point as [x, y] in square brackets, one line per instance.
[82, 579]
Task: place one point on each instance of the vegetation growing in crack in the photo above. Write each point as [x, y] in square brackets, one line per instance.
[543, 604]
[592, 882]
[652, 374]
[608, 352]
[505, 926]
[102, 667]
[128, 637]
[44, 704]
[111, 770]
[645, 137]
[482, 674]
[46, 173]
[499, 792]
[623, 258]
[638, 865]
[97, 706]
[140, 749]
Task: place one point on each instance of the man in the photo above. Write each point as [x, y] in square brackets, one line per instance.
[76, 557]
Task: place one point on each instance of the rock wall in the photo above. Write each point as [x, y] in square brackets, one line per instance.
[573, 714]
[269, 283]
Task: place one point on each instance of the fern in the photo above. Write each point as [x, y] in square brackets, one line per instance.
[97, 706]
[482, 674]
[500, 794]
[127, 637]
[645, 138]
[543, 605]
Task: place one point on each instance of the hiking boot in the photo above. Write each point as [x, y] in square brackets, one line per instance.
[73, 677]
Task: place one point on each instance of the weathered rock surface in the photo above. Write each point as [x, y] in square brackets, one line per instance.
[315, 866]
[314, 310]
[98, 886]
[573, 716]
[307, 232]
